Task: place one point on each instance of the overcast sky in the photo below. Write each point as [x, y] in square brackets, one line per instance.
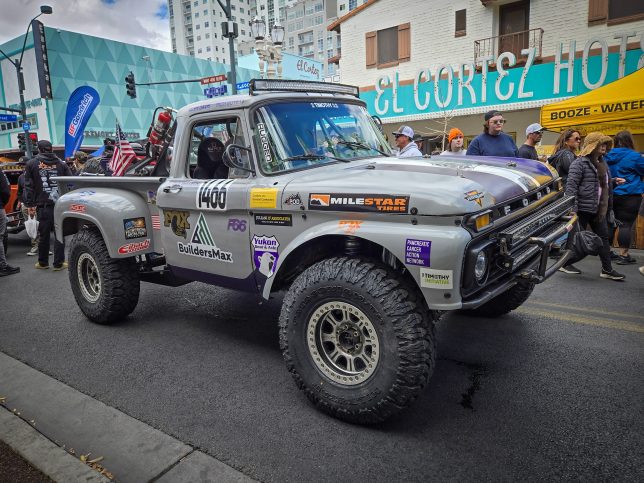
[140, 22]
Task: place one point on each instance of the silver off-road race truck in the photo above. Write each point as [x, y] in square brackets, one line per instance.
[294, 188]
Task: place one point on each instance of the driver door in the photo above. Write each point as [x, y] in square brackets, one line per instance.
[204, 213]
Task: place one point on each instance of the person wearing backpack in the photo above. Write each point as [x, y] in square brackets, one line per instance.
[41, 190]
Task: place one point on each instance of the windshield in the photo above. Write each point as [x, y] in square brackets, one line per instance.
[298, 135]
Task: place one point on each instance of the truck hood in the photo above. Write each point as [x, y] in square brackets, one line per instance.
[442, 185]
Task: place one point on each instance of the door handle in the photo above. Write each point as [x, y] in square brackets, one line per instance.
[172, 189]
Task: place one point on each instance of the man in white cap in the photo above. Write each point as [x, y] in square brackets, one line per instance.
[407, 148]
[534, 133]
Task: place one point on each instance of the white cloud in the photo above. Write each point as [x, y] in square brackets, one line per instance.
[130, 21]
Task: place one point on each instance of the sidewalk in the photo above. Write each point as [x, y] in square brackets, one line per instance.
[53, 427]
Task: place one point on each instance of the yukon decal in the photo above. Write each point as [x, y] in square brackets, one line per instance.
[211, 195]
[265, 254]
[134, 247]
[177, 220]
[203, 245]
[134, 228]
[359, 202]
[417, 252]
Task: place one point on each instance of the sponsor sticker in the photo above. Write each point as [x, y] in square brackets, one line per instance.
[417, 252]
[263, 197]
[431, 278]
[359, 202]
[349, 226]
[273, 219]
[265, 254]
[476, 196]
[134, 247]
[236, 224]
[263, 140]
[78, 208]
[294, 200]
[202, 244]
[211, 195]
[134, 228]
[152, 197]
[177, 220]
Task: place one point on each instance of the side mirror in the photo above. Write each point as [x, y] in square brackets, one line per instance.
[233, 159]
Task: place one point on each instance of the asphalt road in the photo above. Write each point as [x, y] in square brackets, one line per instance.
[552, 391]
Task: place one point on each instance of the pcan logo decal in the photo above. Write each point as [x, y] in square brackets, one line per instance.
[202, 244]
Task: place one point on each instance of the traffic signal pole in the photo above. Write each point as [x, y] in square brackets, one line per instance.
[231, 43]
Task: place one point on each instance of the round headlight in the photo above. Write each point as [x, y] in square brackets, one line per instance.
[480, 267]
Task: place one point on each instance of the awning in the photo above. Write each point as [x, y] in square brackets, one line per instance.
[612, 108]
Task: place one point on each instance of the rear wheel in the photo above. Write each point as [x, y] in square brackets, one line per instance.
[357, 338]
[106, 289]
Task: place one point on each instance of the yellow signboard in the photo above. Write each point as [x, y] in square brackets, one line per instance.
[263, 197]
[609, 109]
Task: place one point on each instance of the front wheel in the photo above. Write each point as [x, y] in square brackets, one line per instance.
[357, 338]
[106, 289]
[504, 303]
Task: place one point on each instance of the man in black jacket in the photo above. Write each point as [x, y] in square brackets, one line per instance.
[42, 192]
[5, 193]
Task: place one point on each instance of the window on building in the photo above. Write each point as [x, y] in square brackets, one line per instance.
[614, 11]
[196, 14]
[199, 51]
[198, 37]
[459, 24]
[207, 36]
[197, 27]
[388, 47]
[205, 13]
[241, 9]
[208, 49]
[320, 45]
[206, 25]
[196, 4]
[353, 4]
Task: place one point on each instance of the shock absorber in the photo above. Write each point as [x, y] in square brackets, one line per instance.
[351, 246]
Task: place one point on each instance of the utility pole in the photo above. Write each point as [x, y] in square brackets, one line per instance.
[229, 29]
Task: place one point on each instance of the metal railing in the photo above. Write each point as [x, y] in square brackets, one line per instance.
[514, 42]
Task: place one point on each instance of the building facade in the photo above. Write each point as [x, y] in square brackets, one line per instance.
[195, 27]
[435, 64]
[75, 60]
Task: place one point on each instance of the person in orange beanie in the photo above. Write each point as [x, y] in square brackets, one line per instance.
[454, 143]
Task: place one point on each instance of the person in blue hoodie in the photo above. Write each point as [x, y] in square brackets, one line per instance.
[624, 162]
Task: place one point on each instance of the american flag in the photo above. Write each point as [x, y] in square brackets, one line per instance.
[123, 153]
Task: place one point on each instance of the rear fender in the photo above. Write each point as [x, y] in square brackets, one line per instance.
[122, 217]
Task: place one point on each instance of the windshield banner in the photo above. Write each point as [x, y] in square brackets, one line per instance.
[80, 107]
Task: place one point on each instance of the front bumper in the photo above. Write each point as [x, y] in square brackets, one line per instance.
[521, 253]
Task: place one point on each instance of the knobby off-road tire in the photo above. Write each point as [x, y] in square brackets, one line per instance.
[106, 289]
[357, 338]
[504, 303]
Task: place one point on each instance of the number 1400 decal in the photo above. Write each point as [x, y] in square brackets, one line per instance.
[211, 195]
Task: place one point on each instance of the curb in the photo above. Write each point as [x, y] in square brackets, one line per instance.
[132, 451]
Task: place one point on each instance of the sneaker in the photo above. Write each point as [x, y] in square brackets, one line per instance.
[641, 269]
[8, 270]
[570, 269]
[627, 260]
[613, 255]
[33, 251]
[62, 266]
[42, 267]
[613, 275]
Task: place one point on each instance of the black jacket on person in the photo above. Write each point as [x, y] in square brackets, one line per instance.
[561, 161]
[41, 187]
[583, 183]
[5, 190]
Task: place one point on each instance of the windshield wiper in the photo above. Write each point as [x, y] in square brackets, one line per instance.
[312, 157]
[356, 144]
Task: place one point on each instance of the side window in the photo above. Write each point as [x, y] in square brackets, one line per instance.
[207, 145]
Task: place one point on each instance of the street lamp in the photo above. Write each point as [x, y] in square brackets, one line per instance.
[269, 50]
[17, 63]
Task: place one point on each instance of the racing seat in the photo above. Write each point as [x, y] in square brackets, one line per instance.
[210, 164]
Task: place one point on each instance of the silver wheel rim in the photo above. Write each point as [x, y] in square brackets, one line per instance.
[89, 278]
[343, 343]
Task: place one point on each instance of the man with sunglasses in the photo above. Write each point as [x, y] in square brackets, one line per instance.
[493, 141]
[407, 148]
[533, 133]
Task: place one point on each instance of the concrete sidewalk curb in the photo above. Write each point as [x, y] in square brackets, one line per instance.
[41, 453]
[132, 450]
